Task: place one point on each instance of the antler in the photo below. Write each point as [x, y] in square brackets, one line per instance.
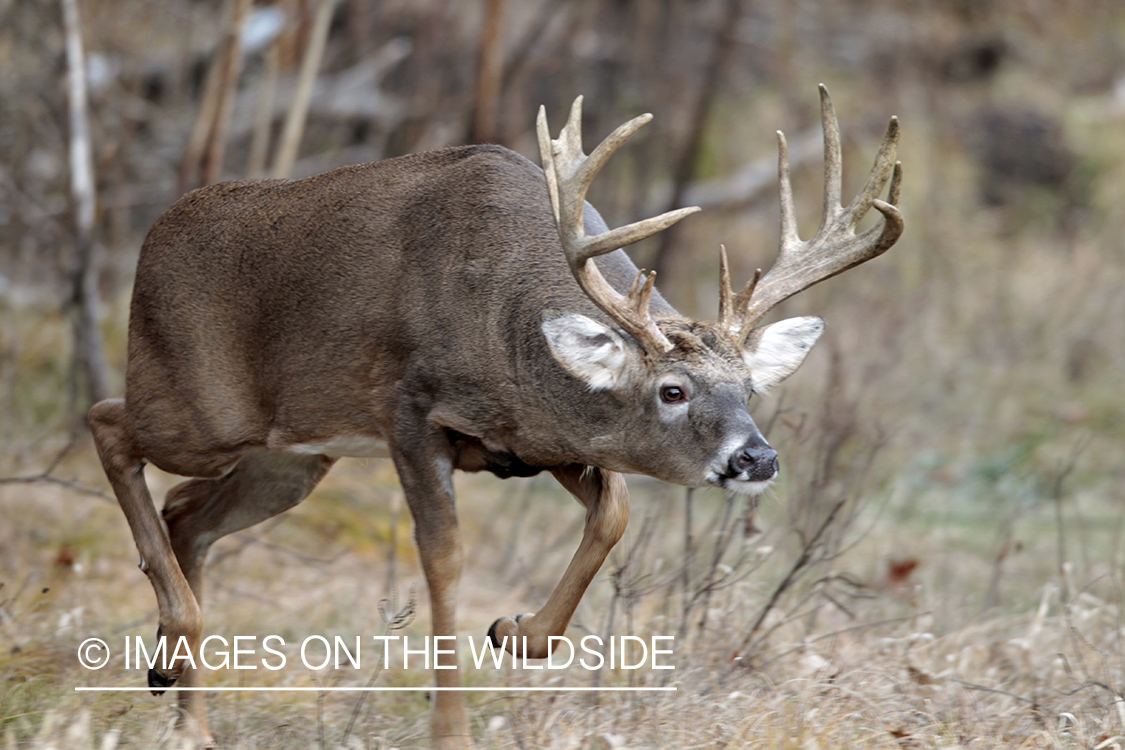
[835, 248]
[569, 174]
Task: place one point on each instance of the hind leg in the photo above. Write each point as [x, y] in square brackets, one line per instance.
[200, 511]
[180, 616]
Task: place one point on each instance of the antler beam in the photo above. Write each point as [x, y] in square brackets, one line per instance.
[569, 174]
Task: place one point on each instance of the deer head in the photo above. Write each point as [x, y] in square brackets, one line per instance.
[684, 386]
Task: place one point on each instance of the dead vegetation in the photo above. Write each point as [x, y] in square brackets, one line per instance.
[939, 566]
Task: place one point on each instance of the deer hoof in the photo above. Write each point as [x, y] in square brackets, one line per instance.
[506, 627]
[157, 680]
[502, 623]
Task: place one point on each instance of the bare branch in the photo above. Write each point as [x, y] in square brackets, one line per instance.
[263, 115]
[490, 66]
[47, 475]
[802, 561]
[230, 71]
[89, 346]
[298, 112]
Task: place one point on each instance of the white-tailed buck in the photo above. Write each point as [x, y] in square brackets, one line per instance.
[447, 306]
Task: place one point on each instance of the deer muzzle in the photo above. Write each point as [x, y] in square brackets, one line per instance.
[754, 462]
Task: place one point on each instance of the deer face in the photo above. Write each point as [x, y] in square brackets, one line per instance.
[684, 416]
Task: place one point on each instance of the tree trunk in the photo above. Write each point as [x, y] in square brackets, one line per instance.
[89, 348]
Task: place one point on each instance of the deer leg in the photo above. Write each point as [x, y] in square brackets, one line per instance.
[606, 499]
[199, 512]
[180, 616]
[425, 468]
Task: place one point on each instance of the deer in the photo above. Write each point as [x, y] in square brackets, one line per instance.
[446, 308]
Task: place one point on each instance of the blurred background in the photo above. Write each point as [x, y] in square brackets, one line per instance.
[953, 452]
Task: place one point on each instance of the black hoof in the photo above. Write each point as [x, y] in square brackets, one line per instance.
[492, 630]
[157, 680]
[492, 634]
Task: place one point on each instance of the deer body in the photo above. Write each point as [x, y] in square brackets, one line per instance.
[443, 304]
[317, 307]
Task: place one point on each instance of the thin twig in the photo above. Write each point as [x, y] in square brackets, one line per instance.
[1090, 684]
[249, 539]
[689, 560]
[791, 576]
[722, 542]
[231, 71]
[986, 689]
[399, 619]
[825, 636]
[299, 109]
[209, 105]
[61, 482]
[263, 118]
[46, 474]
[1065, 469]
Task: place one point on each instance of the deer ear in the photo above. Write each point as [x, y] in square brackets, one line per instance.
[775, 351]
[588, 350]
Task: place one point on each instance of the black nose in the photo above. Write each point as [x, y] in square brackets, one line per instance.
[759, 462]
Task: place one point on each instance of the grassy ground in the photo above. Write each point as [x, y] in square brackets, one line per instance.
[851, 656]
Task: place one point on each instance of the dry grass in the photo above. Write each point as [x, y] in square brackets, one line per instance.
[853, 657]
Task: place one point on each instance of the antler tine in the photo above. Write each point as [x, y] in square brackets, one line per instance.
[896, 185]
[569, 174]
[833, 162]
[742, 301]
[893, 224]
[884, 168]
[789, 234]
[726, 300]
[548, 159]
[640, 297]
[835, 247]
[732, 308]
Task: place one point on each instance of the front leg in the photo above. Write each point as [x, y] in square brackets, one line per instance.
[424, 460]
[607, 514]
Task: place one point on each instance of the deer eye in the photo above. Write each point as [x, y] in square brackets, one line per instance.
[673, 394]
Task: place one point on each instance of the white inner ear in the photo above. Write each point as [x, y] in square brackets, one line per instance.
[773, 353]
[588, 350]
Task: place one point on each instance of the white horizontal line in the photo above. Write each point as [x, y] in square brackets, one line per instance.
[372, 689]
